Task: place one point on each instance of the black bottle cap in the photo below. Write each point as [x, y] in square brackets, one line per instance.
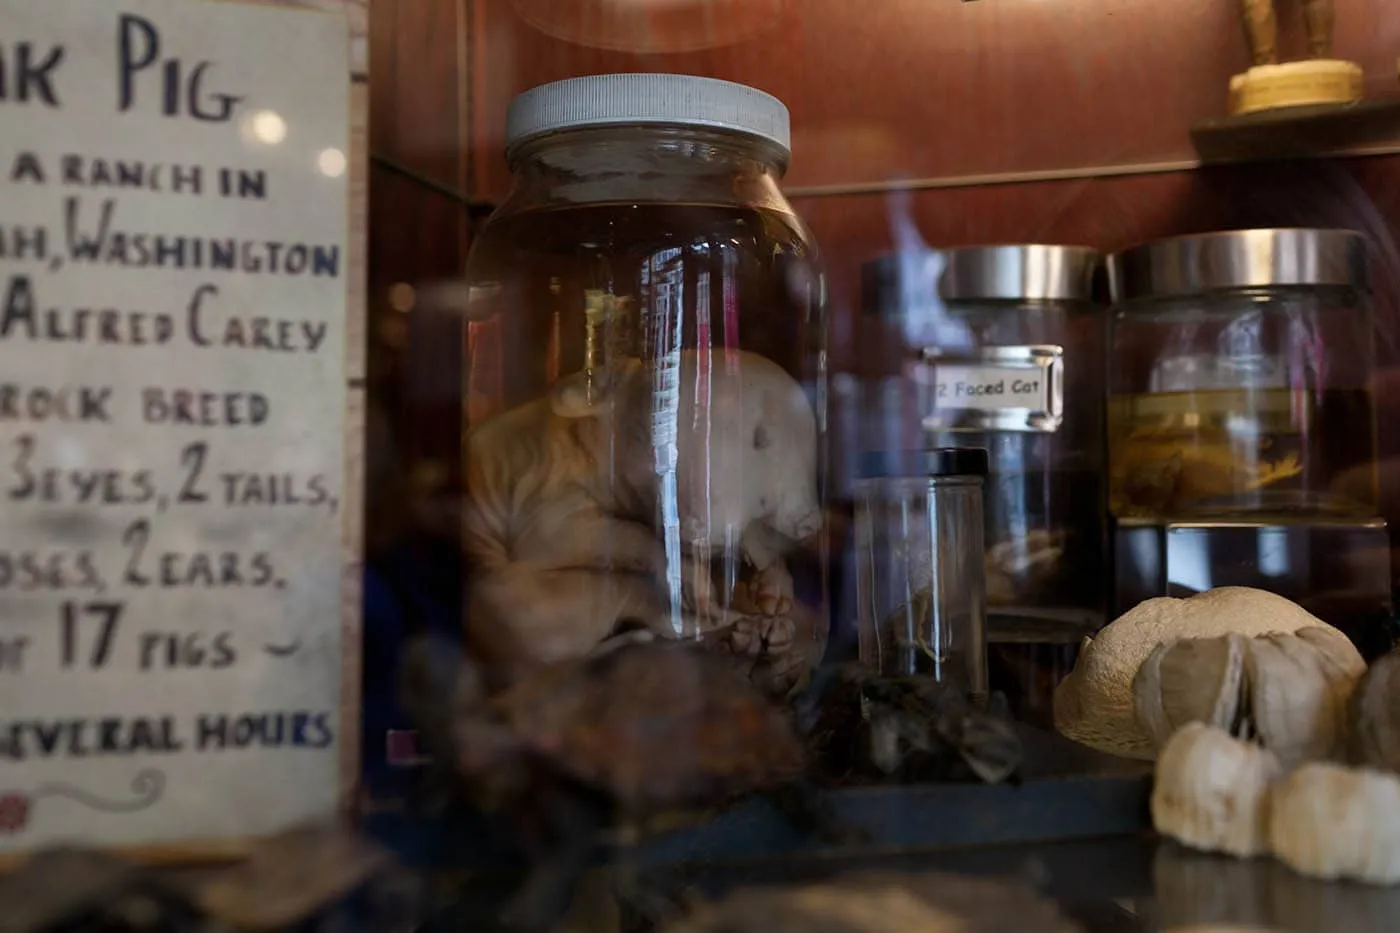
[937, 461]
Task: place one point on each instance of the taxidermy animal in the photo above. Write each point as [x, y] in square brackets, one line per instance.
[600, 506]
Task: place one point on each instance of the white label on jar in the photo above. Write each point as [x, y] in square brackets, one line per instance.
[994, 388]
[989, 387]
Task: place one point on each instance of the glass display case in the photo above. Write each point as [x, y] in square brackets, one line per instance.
[657, 466]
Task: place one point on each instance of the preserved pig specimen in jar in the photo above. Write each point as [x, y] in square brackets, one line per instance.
[652, 456]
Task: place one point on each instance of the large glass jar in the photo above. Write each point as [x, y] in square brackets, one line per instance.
[1001, 347]
[644, 438]
[1241, 378]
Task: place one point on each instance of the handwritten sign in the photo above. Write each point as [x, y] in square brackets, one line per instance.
[173, 282]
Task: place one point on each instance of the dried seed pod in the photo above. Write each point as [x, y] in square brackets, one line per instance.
[1190, 680]
[1290, 690]
[1375, 738]
[1299, 688]
[1328, 821]
[1094, 704]
[1212, 791]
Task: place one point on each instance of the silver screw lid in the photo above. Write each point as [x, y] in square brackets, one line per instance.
[1234, 259]
[656, 99]
[1028, 272]
[1013, 272]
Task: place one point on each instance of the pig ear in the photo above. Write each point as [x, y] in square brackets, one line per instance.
[569, 398]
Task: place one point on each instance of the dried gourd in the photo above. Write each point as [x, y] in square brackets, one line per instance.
[1211, 791]
[1375, 739]
[1290, 691]
[1330, 822]
[1094, 704]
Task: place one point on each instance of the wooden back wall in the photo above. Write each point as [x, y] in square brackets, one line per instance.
[1078, 110]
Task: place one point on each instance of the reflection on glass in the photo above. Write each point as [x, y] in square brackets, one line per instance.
[331, 163]
[267, 127]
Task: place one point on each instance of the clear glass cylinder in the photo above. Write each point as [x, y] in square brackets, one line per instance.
[920, 584]
[1240, 379]
[645, 419]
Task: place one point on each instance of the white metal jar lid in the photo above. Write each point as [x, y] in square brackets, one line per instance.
[655, 99]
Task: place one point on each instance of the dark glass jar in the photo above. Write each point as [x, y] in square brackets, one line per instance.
[644, 427]
[1001, 347]
[1240, 378]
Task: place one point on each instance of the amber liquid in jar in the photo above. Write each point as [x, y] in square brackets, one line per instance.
[1269, 453]
[559, 290]
[701, 275]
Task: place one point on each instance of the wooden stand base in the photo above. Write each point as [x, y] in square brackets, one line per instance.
[1295, 84]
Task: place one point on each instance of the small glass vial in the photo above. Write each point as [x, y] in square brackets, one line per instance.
[921, 586]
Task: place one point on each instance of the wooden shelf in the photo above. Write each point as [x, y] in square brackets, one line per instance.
[1364, 128]
[1067, 792]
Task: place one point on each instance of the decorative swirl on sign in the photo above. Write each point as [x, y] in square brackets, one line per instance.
[147, 786]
